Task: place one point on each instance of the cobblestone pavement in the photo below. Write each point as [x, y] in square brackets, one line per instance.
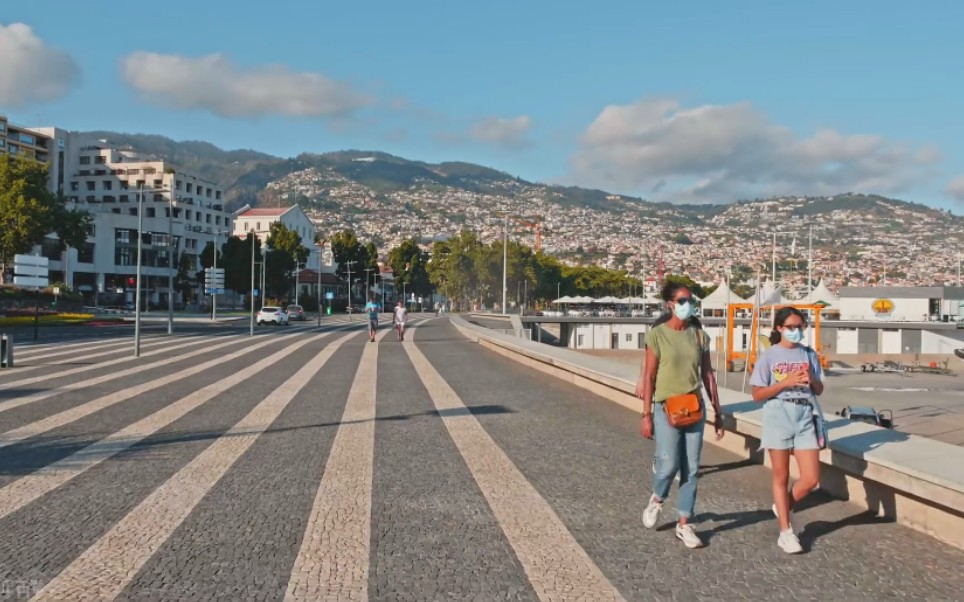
[307, 463]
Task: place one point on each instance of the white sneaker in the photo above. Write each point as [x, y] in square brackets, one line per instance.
[688, 536]
[793, 528]
[789, 543]
[651, 513]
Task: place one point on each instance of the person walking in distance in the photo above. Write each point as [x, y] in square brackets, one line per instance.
[787, 379]
[371, 310]
[399, 319]
[676, 368]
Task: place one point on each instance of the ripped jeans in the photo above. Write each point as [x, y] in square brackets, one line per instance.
[677, 450]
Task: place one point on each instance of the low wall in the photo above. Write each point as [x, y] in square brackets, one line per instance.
[918, 482]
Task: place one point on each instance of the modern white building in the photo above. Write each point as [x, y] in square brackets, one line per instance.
[294, 218]
[182, 214]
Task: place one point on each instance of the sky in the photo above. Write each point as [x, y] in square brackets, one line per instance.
[703, 101]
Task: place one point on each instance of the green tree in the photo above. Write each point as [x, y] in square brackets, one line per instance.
[286, 255]
[236, 260]
[410, 267]
[28, 211]
[687, 282]
[182, 280]
[454, 268]
[72, 226]
[346, 248]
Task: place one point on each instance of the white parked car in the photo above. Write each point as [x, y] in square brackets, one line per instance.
[272, 315]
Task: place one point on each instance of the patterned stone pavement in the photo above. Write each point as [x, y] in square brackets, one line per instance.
[309, 464]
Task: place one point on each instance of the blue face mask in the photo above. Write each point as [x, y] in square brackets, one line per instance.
[684, 311]
[794, 335]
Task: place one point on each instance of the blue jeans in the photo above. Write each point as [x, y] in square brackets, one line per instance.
[677, 450]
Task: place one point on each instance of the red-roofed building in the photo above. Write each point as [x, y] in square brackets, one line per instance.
[259, 220]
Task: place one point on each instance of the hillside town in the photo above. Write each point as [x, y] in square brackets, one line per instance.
[856, 240]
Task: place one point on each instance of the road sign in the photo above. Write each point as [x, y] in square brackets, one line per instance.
[30, 270]
[329, 296]
[213, 291]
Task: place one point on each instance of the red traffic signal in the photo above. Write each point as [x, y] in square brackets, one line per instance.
[131, 282]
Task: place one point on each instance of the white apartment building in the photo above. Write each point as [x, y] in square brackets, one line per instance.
[182, 214]
[294, 218]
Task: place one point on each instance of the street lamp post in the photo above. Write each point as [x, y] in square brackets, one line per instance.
[171, 252]
[253, 239]
[137, 293]
[348, 263]
[264, 274]
[505, 261]
[318, 292]
[137, 279]
[368, 290]
[214, 296]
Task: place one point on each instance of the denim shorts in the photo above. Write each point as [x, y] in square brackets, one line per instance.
[788, 425]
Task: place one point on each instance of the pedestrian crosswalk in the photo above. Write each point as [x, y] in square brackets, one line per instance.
[237, 467]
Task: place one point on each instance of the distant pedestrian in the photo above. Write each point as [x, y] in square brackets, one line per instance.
[400, 318]
[371, 310]
[676, 368]
[787, 378]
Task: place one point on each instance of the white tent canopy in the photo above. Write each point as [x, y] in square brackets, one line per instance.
[608, 299]
[719, 298]
[825, 295]
[565, 299]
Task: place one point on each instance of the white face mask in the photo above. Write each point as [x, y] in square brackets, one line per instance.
[794, 335]
[684, 311]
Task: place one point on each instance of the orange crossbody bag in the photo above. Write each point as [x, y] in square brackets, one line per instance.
[685, 410]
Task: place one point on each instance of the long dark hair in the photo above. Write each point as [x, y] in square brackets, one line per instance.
[780, 317]
[669, 291]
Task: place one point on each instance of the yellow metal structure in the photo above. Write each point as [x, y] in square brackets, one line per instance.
[759, 340]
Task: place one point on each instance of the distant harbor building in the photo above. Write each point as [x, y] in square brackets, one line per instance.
[902, 303]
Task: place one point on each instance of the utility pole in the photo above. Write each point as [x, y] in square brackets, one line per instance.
[505, 261]
[810, 266]
[368, 290]
[264, 274]
[348, 263]
[171, 253]
[137, 279]
[773, 277]
[253, 239]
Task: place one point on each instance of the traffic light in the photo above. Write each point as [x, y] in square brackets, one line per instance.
[131, 282]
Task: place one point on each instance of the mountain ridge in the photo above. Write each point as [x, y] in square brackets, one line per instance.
[244, 174]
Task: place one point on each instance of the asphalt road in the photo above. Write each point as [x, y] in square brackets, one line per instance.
[308, 463]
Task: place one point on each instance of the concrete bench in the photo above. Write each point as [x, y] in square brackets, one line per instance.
[918, 482]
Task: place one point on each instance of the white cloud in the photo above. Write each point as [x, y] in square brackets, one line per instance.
[30, 70]
[215, 84]
[956, 189]
[507, 132]
[721, 153]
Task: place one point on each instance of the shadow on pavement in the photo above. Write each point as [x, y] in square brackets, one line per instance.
[31, 455]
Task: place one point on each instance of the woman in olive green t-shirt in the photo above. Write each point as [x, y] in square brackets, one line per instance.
[677, 362]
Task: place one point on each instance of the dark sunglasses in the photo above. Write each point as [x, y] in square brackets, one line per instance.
[684, 300]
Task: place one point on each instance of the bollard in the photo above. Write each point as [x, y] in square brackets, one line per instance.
[6, 351]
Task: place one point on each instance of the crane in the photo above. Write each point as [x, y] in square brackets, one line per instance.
[534, 224]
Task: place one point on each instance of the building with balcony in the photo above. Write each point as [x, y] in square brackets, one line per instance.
[182, 214]
[21, 141]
